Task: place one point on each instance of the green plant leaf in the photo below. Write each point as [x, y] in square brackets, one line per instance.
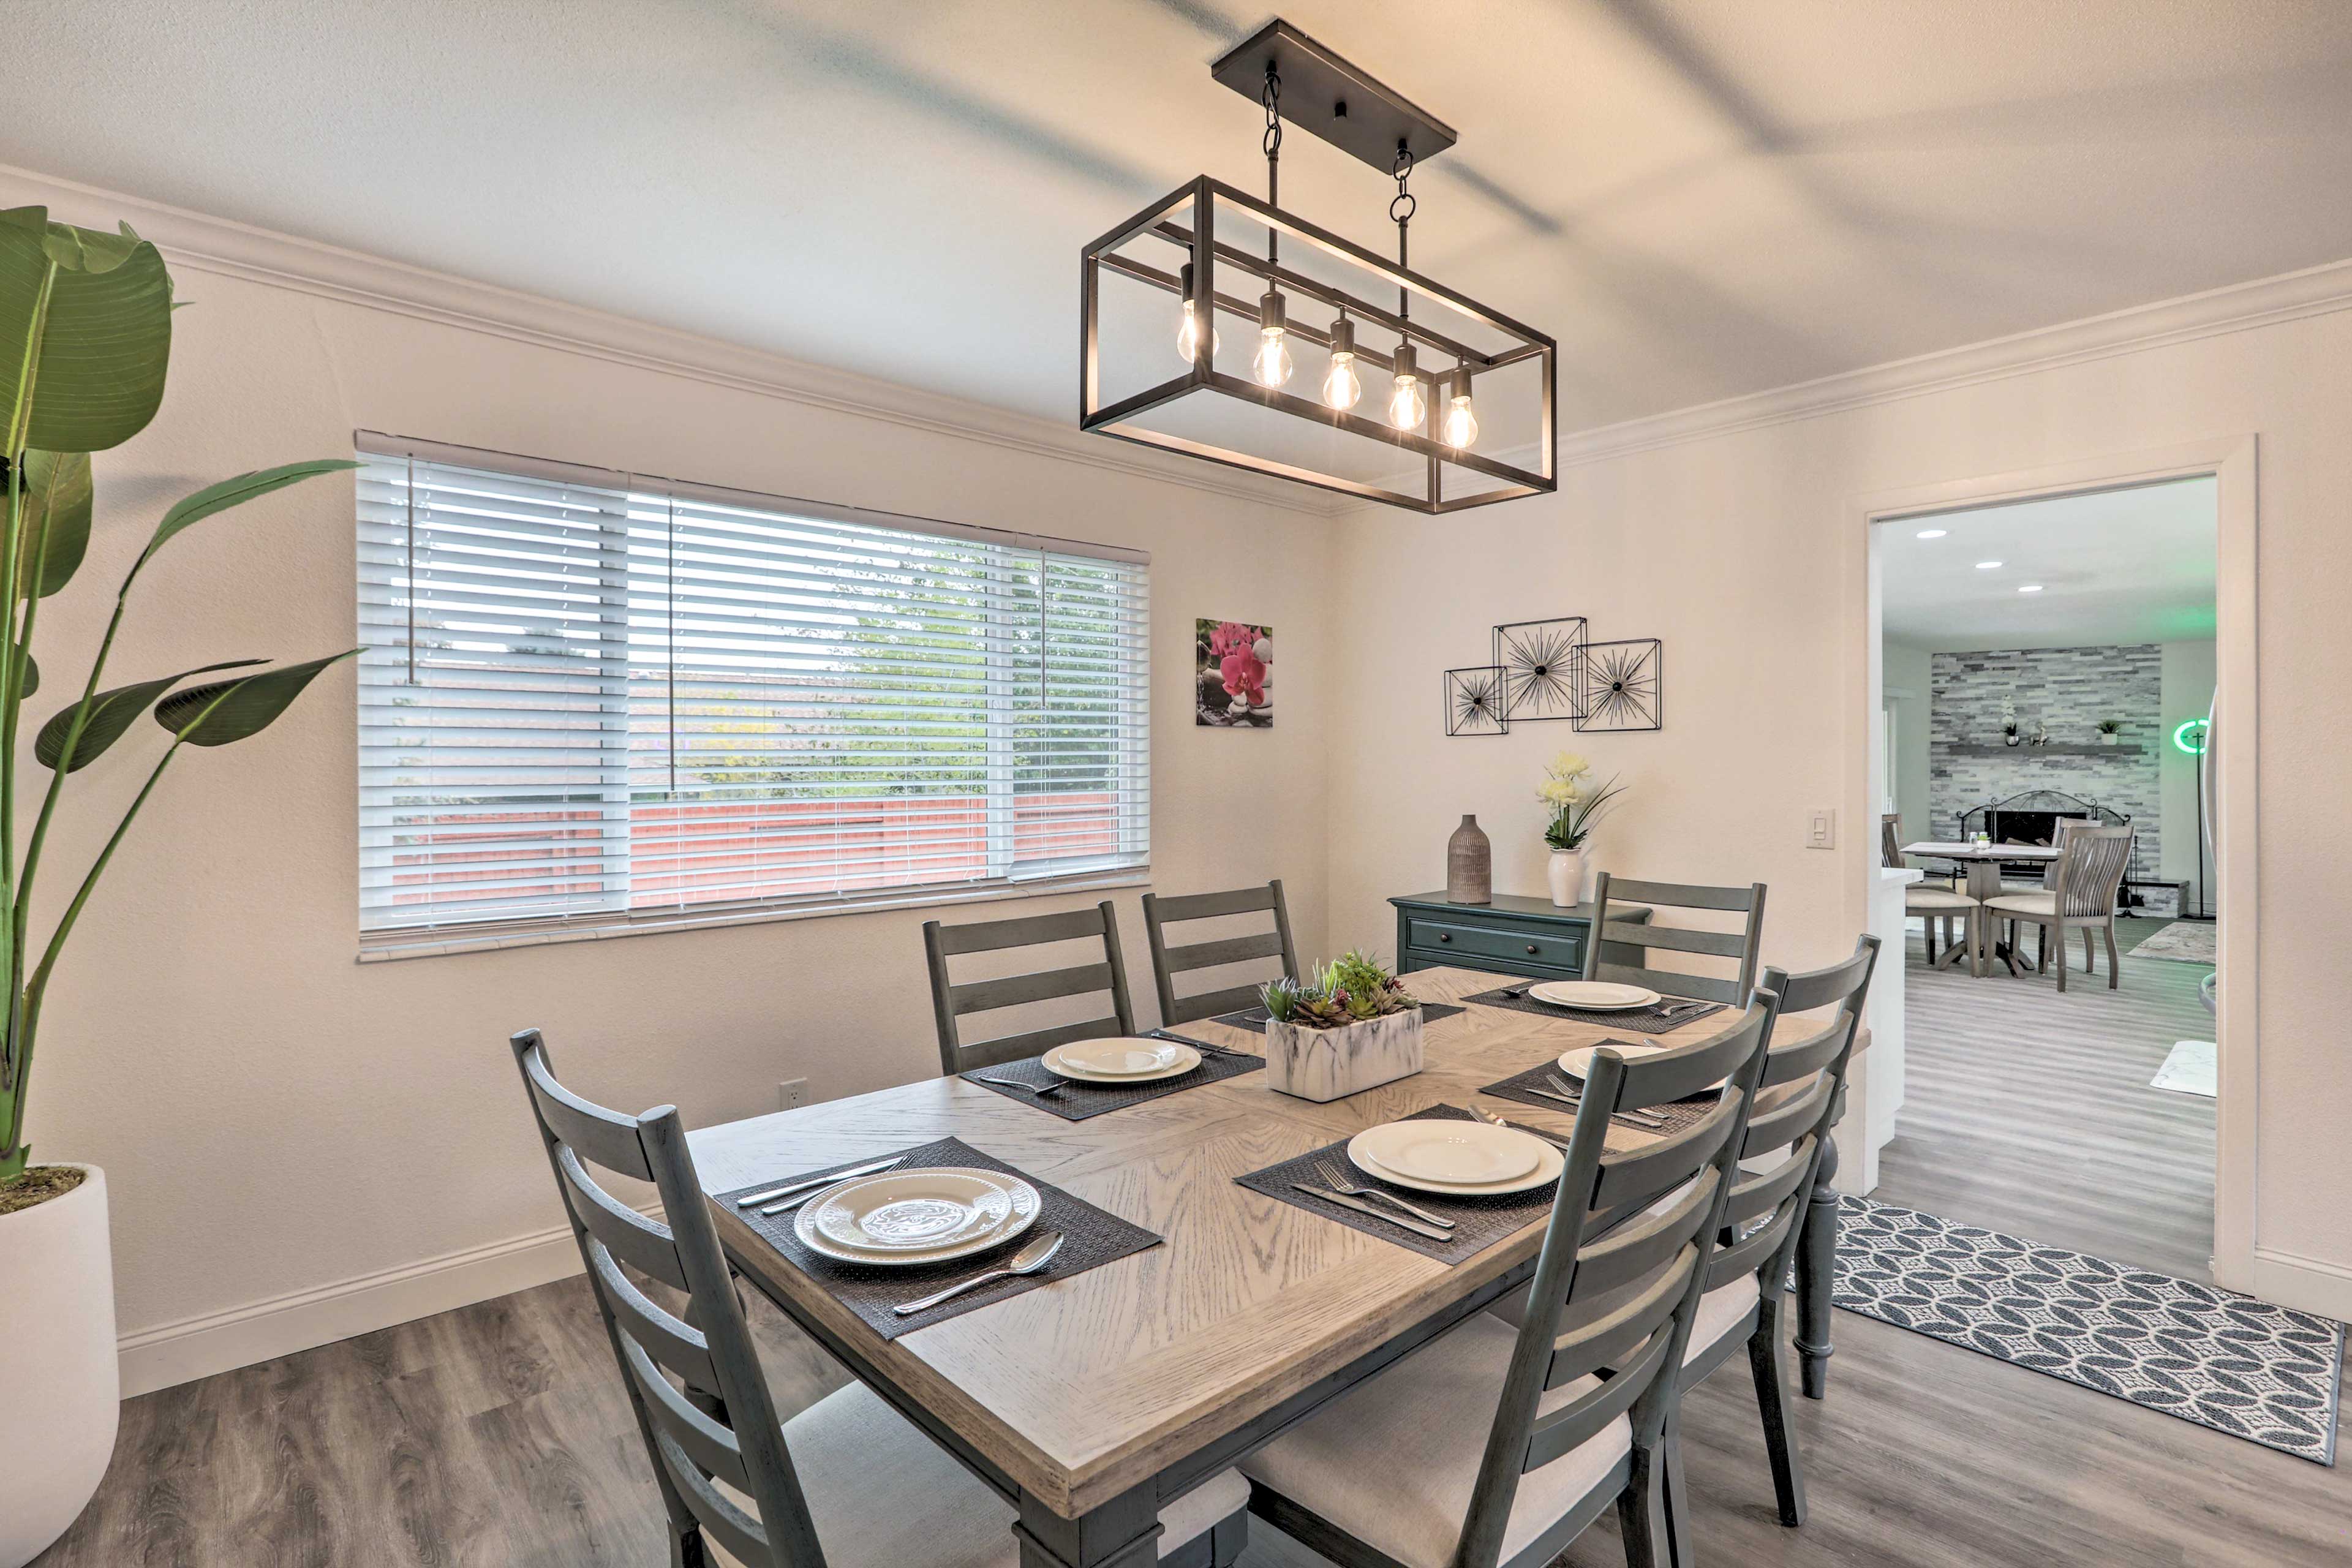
[98, 306]
[31, 678]
[224, 711]
[57, 504]
[111, 713]
[190, 509]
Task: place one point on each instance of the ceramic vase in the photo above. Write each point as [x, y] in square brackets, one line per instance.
[58, 1374]
[1325, 1063]
[1469, 865]
[1566, 874]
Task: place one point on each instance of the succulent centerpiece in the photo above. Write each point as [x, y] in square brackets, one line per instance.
[1345, 1026]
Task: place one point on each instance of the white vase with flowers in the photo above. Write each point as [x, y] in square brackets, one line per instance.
[1577, 805]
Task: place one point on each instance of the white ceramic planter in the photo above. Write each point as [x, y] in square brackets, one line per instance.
[1325, 1063]
[58, 1376]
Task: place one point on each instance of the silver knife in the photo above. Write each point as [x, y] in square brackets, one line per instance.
[788, 1187]
[1630, 1118]
[1345, 1201]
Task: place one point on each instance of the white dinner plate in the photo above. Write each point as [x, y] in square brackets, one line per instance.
[1025, 1205]
[1549, 1165]
[1593, 995]
[913, 1211]
[1578, 1063]
[1121, 1060]
[1468, 1153]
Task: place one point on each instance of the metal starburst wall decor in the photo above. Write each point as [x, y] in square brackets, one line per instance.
[1474, 701]
[1551, 670]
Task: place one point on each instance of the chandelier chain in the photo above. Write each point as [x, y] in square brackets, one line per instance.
[1271, 97]
[1401, 206]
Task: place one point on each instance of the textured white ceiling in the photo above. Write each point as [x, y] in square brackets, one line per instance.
[1698, 198]
[2116, 566]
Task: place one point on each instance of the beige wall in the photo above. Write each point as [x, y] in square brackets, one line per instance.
[1739, 550]
[277, 1119]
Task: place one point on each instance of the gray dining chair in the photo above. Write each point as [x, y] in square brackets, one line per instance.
[1168, 963]
[1800, 1096]
[1610, 937]
[2088, 874]
[1496, 1444]
[950, 1002]
[731, 1475]
[1935, 905]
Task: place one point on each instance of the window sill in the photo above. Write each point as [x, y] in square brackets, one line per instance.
[384, 947]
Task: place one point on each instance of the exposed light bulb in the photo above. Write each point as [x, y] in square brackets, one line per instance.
[1460, 427]
[1189, 335]
[1408, 405]
[1342, 387]
[1272, 367]
[1188, 331]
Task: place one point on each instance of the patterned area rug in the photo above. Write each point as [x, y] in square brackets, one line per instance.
[2230, 1363]
[2183, 941]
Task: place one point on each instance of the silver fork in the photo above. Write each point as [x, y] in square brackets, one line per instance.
[1040, 1090]
[1482, 1114]
[1649, 1121]
[1332, 1179]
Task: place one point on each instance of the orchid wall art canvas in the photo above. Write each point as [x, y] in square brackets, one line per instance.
[1234, 674]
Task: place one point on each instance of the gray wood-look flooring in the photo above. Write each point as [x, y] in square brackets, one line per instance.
[498, 1436]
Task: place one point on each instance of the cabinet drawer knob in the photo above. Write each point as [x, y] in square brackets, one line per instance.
[1531, 947]
[1445, 936]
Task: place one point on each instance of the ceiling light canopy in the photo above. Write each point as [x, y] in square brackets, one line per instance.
[1933, 532]
[1471, 426]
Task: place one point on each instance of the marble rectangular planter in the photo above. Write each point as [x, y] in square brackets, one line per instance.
[1325, 1064]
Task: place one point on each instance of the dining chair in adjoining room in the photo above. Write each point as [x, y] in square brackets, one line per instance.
[2088, 875]
[1785, 1147]
[950, 1002]
[1614, 936]
[1935, 905]
[1168, 963]
[1496, 1444]
[847, 1482]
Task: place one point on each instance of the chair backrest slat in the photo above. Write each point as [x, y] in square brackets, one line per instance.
[951, 1001]
[1890, 837]
[1787, 1120]
[1574, 1424]
[1167, 963]
[1612, 1335]
[710, 1445]
[674, 1343]
[701, 1402]
[1609, 936]
[645, 1244]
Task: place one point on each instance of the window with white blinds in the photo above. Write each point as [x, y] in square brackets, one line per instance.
[594, 697]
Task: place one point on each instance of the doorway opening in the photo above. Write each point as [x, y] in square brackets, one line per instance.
[2046, 661]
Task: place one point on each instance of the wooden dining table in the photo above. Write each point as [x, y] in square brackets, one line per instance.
[1982, 863]
[1091, 1401]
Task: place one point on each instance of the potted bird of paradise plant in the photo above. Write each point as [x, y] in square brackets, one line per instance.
[85, 340]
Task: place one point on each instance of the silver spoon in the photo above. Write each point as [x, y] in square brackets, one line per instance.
[1028, 1261]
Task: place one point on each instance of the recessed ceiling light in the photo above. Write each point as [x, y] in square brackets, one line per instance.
[2030, 588]
[1932, 532]
[1987, 565]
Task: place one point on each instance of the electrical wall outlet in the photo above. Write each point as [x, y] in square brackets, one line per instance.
[791, 1094]
[1821, 828]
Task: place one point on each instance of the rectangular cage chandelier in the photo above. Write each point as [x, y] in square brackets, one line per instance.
[1409, 394]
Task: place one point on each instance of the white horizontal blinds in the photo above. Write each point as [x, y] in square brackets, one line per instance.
[758, 702]
[493, 762]
[1082, 788]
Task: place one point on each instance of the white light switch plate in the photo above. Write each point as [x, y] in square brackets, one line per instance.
[1821, 828]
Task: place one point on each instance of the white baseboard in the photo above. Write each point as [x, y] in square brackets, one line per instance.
[197, 1347]
[2306, 1283]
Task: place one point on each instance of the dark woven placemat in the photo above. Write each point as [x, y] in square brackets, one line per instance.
[1091, 1238]
[1520, 1087]
[1255, 1017]
[1080, 1100]
[1480, 1223]
[1640, 1020]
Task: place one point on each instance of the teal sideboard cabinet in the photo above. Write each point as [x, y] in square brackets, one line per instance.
[1513, 935]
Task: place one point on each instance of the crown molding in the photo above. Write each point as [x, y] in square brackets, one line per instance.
[2236, 308]
[196, 242]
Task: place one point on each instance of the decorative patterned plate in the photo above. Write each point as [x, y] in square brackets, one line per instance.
[1024, 1206]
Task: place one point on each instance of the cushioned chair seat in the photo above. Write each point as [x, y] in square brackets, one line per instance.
[1394, 1459]
[1917, 900]
[2024, 903]
[884, 1496]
